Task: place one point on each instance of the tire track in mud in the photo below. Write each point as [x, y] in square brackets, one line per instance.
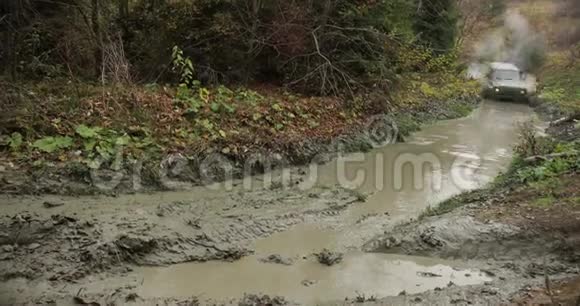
[72, 241]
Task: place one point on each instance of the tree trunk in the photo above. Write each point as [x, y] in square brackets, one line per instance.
[154, 4]
[326, 12]
[13, 55]
[254, 13]
[98, 54]
[13, 14]
[123, 9]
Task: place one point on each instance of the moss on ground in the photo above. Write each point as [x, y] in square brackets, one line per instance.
[456, 202]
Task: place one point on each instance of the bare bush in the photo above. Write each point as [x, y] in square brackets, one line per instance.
[530, 143]
[571, 8]
[476, 17]
[569, 37]
[115, 64]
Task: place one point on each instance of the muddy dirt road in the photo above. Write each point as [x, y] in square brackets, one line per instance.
[212, 245]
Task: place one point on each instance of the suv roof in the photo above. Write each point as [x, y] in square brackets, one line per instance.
[504, 66]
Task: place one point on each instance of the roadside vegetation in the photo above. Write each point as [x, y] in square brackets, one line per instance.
[560, 75]
[560, 78]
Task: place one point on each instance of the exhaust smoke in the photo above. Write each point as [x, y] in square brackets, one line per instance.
[514, 42]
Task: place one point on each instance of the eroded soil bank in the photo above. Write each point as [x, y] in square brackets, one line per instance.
[175, 171]
[113, 250]
[529, 251]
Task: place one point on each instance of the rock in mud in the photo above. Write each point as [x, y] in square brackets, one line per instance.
[277, 259]
[81, 301]
[50, 204]
[132, 244]
[428, 274]
[361, 298]
[232, 254]
[308, 283]
[326, 257]
[132, 297]
[7, 248]
[33, 246]
[488, 272]
[6, 256]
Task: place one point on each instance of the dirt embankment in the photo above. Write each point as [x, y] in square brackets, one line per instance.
[178, 171]
[522, 256]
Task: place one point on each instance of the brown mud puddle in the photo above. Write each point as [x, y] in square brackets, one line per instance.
[308, 282]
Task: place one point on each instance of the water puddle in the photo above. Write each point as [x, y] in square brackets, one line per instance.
[307, 281]
[434, 164]
[446, 158]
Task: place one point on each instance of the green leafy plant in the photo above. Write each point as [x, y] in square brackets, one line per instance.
[15, 141]
[87, 132]
[547, 169]
[218, 99]
[193, 102]
[105, 142]
[249, 96]
[205, 126]
[223, 99]
[52, 144]
[184, 66]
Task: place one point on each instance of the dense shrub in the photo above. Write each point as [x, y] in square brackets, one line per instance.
[436, 23]
[328, 47]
